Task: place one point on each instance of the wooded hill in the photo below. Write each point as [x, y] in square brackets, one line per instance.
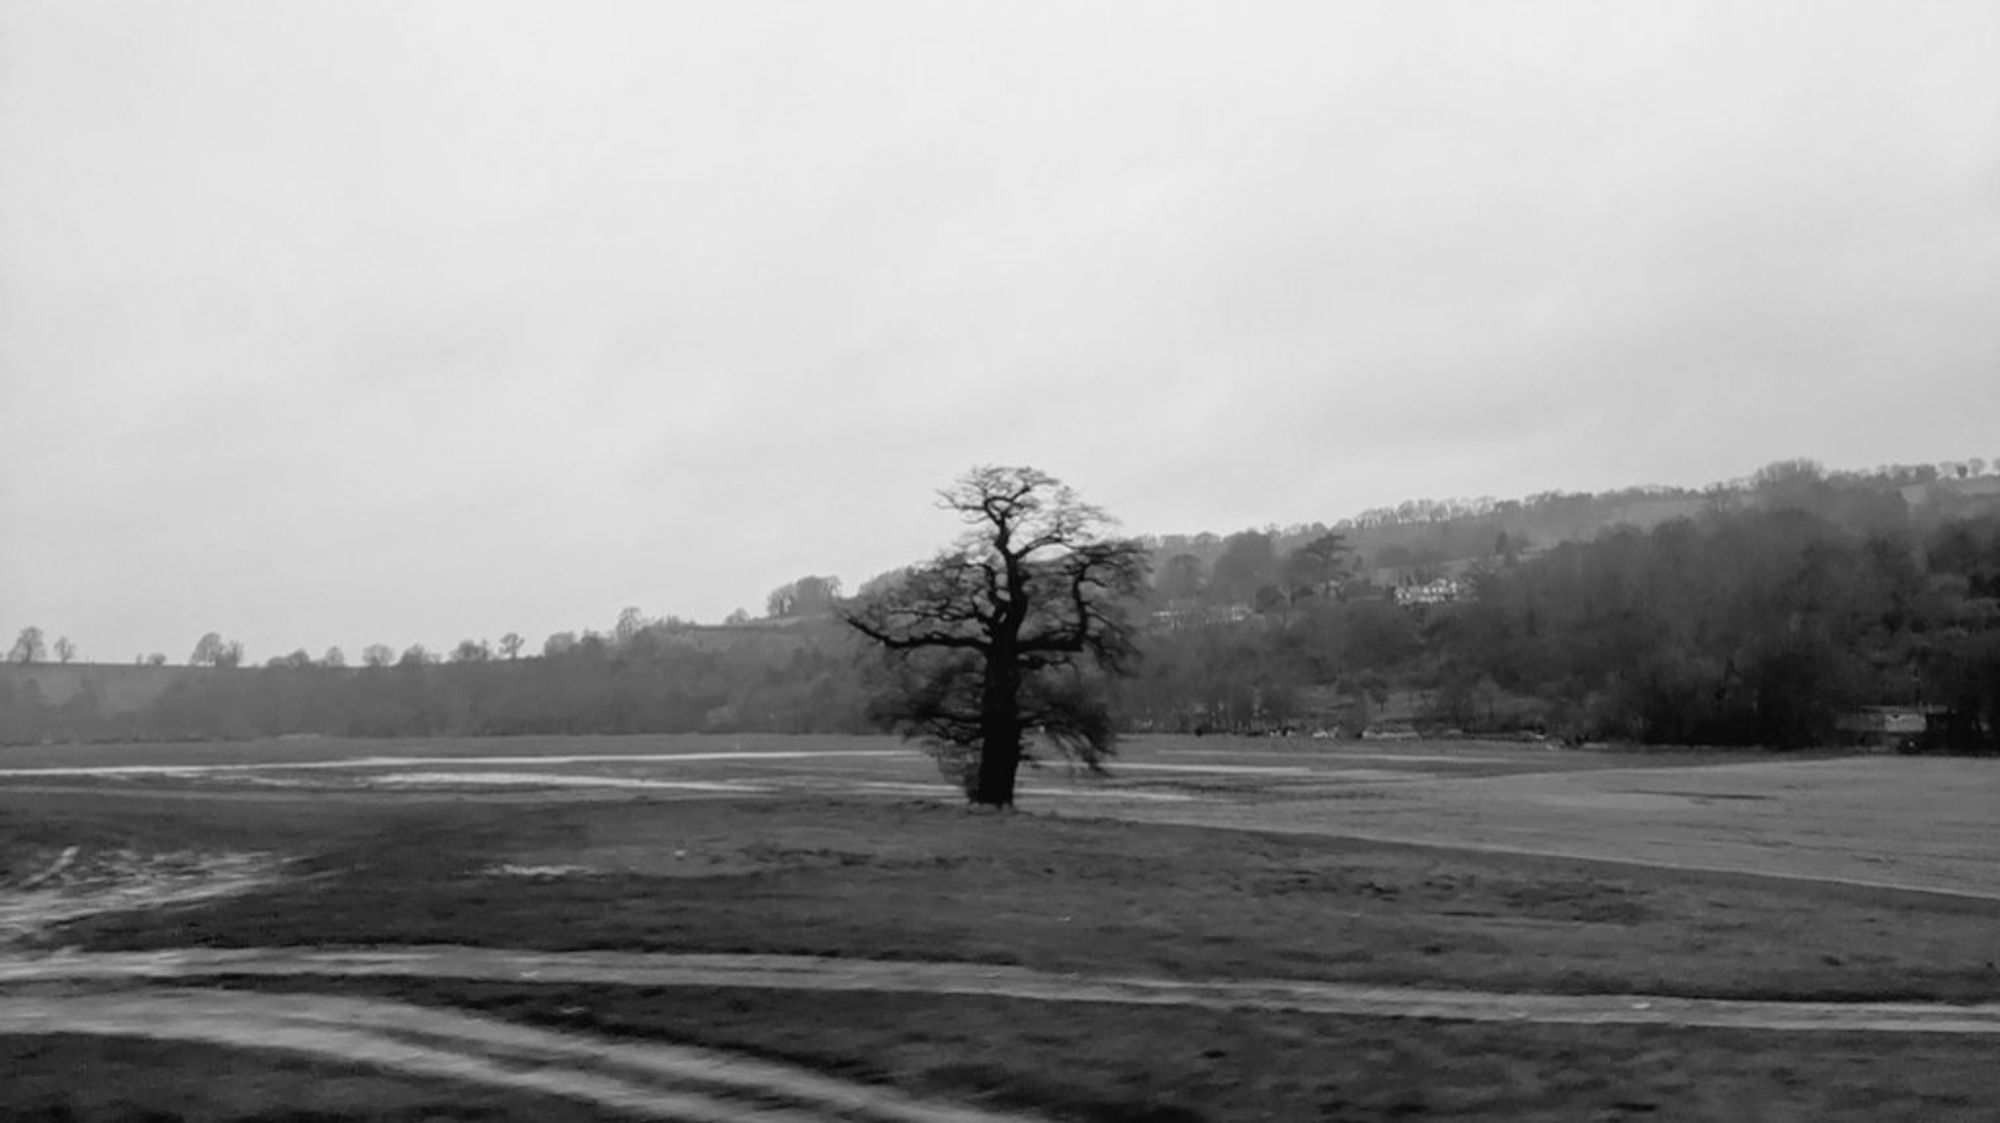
[1767, 611]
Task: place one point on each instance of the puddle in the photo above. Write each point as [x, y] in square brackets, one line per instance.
[1112, 793]
[1220, 769]
[1027, 793]
[509, 869]
[368, 762]
[77, 884]
[557, 780]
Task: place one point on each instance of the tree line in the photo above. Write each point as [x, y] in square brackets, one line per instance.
[1768, 614]
[1768, 618]
[659, 677]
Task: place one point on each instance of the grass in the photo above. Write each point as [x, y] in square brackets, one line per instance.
[66, 1078]
[906, 880]
[1121, 1064]
[879, 879]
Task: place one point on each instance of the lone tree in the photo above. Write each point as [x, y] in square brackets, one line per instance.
[213, 651]
[1011, 630]
[30, 647]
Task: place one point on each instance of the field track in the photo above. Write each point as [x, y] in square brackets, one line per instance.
[1921, 827]
[651, 1081]
[783, 972]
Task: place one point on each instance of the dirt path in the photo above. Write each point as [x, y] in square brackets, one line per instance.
[652, 1081]
[811, 973]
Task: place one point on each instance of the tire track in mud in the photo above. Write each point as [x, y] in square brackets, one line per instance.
[650, 1081]
[780, 972]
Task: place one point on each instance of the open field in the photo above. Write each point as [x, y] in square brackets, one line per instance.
[1920, 823]
[1506, 868]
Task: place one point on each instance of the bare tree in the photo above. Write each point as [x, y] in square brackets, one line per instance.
[334, 657]
[29, 647]
[214, 651]
[630, 623]
[378, 655]
[510, 645]
[1009, 631]
[65, 650]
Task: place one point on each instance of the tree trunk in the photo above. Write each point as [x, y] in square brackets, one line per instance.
[999, 733]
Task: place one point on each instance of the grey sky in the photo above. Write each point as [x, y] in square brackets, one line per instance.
[408, 322]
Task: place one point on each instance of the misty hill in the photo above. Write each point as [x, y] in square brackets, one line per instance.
[1767, 611]
[109, 687]
[1421, 539]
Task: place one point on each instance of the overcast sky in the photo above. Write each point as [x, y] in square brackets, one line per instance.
[416, 321]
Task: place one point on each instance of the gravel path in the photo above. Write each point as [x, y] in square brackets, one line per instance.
[778, 972]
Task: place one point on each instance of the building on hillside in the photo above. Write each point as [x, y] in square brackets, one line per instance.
[1191, 614]
[1887, 727]
[1444, 590]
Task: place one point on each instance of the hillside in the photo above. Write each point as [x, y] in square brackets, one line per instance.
[107, 687]
[1422, 539]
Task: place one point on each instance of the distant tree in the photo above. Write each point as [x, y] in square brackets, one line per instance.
[737, 618]
[298, 658]
[334, 657]
[156, 660]
[416, 655]
[1318, 567]
[29, 647]
[1249, 561]
[214, 651]
[471, 651]
[1179, 578]
[630, 623]
[560, 643]
[807, 596]
[65, 650]
[510, 645]
[998, 635]
[378, 655]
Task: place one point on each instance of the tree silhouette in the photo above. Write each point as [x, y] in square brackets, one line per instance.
[1007, 632]
[30, 647]
[214, 651]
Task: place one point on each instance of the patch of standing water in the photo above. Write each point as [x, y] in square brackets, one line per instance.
[556, 780]
[78, 884]
[435, 761]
